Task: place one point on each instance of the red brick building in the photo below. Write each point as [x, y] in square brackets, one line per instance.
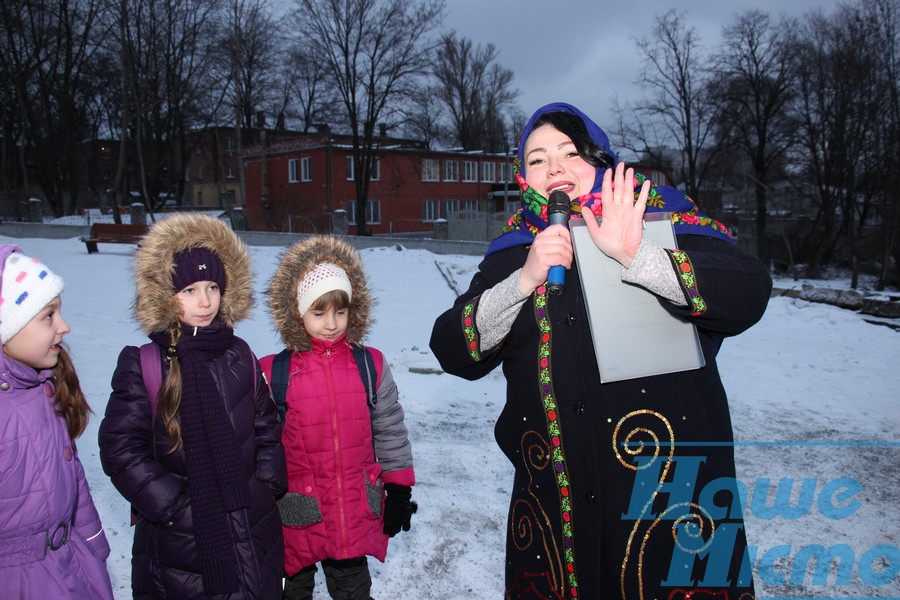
[297, 185]
[212, 177]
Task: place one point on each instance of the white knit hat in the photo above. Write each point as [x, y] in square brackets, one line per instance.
[28, 286]
[326, 277]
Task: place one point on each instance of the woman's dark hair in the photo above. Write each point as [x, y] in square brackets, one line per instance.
[574, 127]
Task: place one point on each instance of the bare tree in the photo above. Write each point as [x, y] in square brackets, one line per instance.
[419, 120]
[373, 51]
[49, 76]
[166, 50]
[841, 104]
[884, 17]
[250, 46]
[475, 91]
[681, 110]
[307, 87]
[754, 87]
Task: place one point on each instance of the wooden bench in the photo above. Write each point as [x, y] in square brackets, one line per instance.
[113, 233]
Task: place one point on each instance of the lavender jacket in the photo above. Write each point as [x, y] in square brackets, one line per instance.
[52, 544]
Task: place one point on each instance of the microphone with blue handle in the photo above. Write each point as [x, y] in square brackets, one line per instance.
[557, 214]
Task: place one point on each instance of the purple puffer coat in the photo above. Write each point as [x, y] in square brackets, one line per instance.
[165, 562]
[52, 544]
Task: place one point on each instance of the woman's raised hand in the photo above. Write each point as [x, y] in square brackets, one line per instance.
[621, 229]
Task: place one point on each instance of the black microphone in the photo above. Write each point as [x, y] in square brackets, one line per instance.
[557, 214]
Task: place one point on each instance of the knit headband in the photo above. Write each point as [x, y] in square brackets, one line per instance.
[326, 277]
[197, 264]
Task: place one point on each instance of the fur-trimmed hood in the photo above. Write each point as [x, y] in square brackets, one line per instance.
[295, 263]
[155, 304]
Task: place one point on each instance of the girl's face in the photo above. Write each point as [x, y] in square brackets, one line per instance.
[199, 303]
[326, 324]
[38, 343]
[552, 163]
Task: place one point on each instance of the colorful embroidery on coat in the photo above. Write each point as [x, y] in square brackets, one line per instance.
[636, 440]
[469, 329]
[691, 218]
[685, 269]
[554, 431]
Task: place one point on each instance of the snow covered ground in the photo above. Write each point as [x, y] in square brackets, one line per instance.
[814, 394]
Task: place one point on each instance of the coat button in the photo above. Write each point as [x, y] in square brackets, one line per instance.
[591, 497]
[570, 320]
[4, 386]
[579, 408]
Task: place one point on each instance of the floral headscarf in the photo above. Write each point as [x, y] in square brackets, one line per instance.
[531, 217]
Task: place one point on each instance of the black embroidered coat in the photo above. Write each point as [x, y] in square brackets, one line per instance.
[589, 516]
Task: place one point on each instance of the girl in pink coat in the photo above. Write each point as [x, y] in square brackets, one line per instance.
[52, 544]
[349, 460]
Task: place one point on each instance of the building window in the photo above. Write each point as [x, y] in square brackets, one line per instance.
[306, 169]
[229, 146]
[470, 206]
[451, 207]
[505, 173]
[375, 174]
[292, 171]
[487, 171]
[200, 173]
[431, 169]
[373, 212]
[187, 173]
[229, 172]
[451, 170]
[431, 210]
[107, 173]
[470, 170]
[199, 197]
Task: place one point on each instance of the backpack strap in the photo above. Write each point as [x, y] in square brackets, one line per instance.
[364, 362]
[151, 372]
[151, 369]
[366, 365]
[280, 376]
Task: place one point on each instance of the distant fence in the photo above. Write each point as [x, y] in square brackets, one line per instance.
[475, 226]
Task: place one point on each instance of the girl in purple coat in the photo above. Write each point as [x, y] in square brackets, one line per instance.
[52, 544]
[201, 461]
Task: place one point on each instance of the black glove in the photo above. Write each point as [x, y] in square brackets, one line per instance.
[398, 508]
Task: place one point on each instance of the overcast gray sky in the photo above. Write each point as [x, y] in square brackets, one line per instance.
[583, 51]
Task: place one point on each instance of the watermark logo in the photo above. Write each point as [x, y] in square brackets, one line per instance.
[669, 491]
